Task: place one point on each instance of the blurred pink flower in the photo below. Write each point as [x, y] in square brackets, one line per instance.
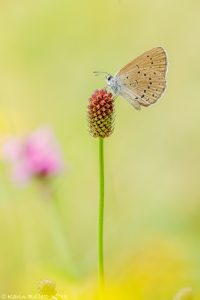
[38, 155]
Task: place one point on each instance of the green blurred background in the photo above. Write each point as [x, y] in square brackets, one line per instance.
[48, 51]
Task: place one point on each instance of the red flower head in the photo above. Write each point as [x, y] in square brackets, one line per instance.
[101, 113]
[35, 156]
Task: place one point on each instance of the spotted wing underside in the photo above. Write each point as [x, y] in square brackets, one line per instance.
[143, 79]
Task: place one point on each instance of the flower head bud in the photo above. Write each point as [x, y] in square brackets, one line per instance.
[47, 288]
[101, 113]
[184, 294]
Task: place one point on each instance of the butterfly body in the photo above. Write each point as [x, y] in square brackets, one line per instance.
[142, 81]
[114, 83]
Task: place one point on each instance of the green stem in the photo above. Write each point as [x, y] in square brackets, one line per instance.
[57, 230]
[101, 214]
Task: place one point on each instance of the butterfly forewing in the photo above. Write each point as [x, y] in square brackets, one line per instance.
[143, 79]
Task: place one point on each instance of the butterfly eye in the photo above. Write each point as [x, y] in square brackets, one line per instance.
[109, 77]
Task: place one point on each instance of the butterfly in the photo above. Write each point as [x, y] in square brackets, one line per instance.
[142, 81]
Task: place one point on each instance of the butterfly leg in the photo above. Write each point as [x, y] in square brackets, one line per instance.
[115, 96]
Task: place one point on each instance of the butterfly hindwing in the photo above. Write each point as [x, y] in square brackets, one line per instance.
[143, 79]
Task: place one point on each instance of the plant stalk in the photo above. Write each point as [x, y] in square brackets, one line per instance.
[101, 214]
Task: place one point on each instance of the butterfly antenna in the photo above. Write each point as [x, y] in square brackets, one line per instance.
[97, 73]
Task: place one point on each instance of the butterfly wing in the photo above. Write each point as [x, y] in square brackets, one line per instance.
[143, 80]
